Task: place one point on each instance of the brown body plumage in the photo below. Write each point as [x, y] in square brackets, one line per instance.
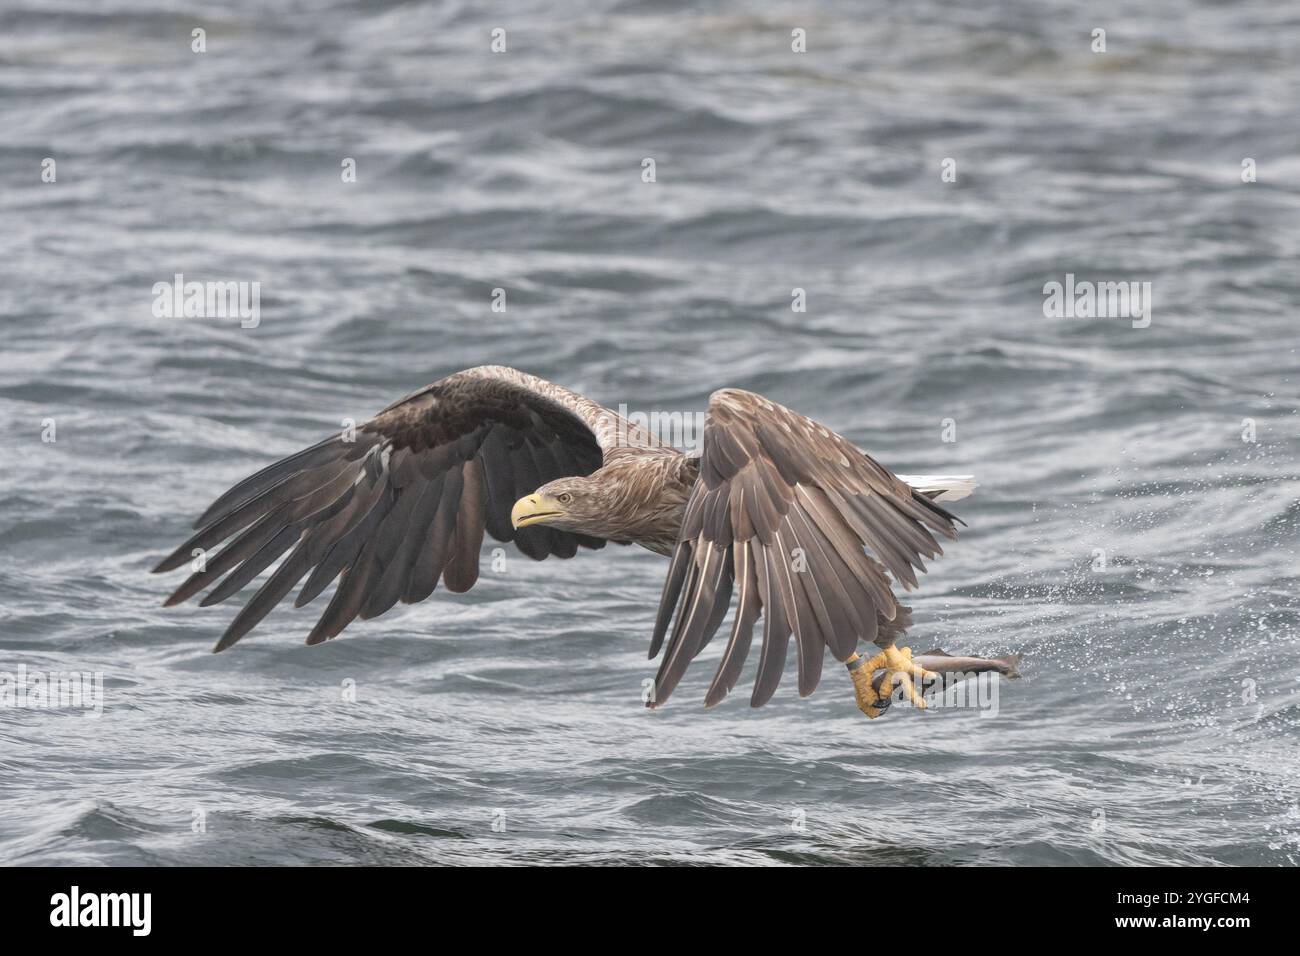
[808, 531]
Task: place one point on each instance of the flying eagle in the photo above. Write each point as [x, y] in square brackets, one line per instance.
[805, 530]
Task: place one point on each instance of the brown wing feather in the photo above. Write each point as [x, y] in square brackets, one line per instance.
[808, 526]
[404, 504]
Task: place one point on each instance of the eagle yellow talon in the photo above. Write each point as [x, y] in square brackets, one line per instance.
[899, 672]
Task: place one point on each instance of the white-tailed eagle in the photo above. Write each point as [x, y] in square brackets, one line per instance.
[804, 530]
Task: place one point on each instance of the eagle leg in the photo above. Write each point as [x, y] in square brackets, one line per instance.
[899, 671]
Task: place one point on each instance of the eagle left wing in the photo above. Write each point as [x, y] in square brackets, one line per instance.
[803, 527]
[402, 503]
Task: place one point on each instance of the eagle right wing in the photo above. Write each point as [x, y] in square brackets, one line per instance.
[803, 526]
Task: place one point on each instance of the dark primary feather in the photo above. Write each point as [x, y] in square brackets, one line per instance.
[403, 505]
[804, 527]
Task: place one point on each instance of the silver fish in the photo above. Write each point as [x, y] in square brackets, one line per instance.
[946, 665]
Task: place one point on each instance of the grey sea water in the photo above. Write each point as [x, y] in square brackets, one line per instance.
[1126, 537]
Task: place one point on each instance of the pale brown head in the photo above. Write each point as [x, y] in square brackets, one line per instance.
[639, 500]
[569, 504]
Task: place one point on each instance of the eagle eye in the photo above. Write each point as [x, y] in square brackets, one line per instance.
[564, 497]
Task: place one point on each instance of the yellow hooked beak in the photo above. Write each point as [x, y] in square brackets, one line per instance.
[534, 509]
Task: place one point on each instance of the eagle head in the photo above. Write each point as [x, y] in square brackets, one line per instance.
[569, 504]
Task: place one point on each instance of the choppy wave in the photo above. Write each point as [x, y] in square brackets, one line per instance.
[1157, 718]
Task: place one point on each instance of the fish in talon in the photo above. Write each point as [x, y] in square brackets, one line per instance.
[940, 671]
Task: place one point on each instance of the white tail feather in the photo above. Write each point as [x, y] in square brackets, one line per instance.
[951, 487]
